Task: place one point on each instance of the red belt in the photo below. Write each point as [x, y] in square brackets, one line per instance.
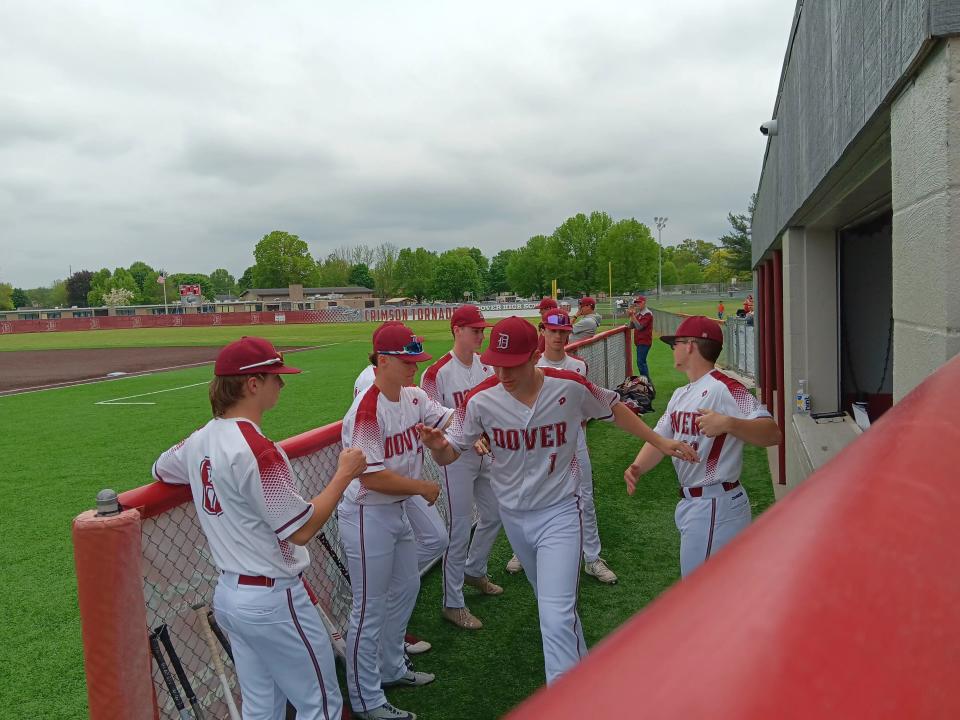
[258, 580]
[698, 491]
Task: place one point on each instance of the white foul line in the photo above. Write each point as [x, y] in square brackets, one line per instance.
[116, 401]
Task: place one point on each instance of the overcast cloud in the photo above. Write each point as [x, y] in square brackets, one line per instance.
[179, 133]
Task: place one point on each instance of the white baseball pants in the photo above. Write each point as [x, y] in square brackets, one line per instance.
[429, 529]
[464, 482]
[382, 559]
[281, 649]
[548, 543]
[708, 523]
[591, 533]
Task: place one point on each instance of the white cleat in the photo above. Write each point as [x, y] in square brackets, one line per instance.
[601, 571]
[514, 566]
[414, 645]
[412, 678]
[385, 712]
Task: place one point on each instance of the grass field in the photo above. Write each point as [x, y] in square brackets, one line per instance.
[696, 306]
[60, 447]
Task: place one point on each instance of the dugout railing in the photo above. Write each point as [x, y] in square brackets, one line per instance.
[840, 601]
[149, 566]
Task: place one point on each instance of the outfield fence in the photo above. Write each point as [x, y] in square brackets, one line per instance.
[150, 566]
[739, 340]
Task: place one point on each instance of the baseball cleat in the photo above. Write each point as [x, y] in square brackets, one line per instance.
[414, 645]
[385, 712]
[483, 584]
[462, 618]
[514, 566]
[412, 678]
[601, 571]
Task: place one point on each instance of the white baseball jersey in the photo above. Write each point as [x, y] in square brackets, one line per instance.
[247, 500]
[448, 381]
[533, 449]
[364, 379]
[578, 366]
[721, 457]
[386, 432]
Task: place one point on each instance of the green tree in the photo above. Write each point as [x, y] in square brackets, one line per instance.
[531, 269]
[579, 239]
[78, 285]
[246, 281]
[141, 273]
[718, 270]
[98, 286]
[628, 251]
[738, 242]
[335, 270]
[691, 274]
[497, 277]
[483, 268]
[456, 275]
[360, 276]
[58, 293]
[222, 282]
[19, 298]
[668, 273]
[384, 271]
[700, 250]
[282, 259]
[416, 270]
[6, 296]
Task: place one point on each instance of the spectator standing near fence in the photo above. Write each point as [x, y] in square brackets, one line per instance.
[587, 320]
[720, 310]
[748, 305]
[641, 320]
[716, 415]
[256, 524]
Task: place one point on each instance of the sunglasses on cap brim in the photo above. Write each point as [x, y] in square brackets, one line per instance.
[414, 347]
[264, 363]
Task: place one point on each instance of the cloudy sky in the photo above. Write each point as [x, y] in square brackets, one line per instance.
[179, 133]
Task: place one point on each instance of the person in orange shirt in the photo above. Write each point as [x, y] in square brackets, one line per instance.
[720, 310]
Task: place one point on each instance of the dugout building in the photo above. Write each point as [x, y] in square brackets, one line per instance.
[856, 232]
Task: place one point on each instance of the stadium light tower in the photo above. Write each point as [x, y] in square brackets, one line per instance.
[661, 223]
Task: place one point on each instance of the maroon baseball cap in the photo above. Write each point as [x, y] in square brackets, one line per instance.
[547, 304]
[251, 356]
[557, 320]
[468, 316]
[696, 326]
[513, 341]
[388, 323]
[640, 299]
[400, 341]
[588, 301]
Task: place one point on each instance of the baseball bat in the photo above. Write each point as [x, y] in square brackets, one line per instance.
[336, 639]
[221, 636]
[333, 556]
[201, 611]
[168, 678]
[163, 633]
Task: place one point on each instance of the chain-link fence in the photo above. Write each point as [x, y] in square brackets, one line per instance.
[739, 345]
[179, 574]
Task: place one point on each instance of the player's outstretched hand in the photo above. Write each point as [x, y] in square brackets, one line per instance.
[482, 446]
[679, 450]
[713, 423]
[352, 462]
[431, 492]
[631, 476]
[432, 438]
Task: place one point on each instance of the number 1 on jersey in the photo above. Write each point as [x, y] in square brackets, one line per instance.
[553, 463]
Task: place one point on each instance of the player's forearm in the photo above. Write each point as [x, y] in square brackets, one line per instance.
[445, 455]
[323, 506]
[389, 482]
[647, 459]
[762, 432]
[627, 421]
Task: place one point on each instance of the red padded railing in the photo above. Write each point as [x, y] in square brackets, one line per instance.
[841, 601]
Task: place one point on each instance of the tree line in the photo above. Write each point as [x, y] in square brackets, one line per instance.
[583, 254]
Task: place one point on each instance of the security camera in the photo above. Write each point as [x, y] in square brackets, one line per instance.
[769, 127]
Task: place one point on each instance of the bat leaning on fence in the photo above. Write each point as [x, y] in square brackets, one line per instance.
[163, 633]
[201, 611]
[168, 677]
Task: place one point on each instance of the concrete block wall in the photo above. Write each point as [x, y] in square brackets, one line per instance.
[925, 149]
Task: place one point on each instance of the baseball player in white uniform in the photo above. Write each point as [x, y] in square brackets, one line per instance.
[716, 415]
[384, 421]
[557, 329]
[532, 416]
[447, 382]
[256, 524]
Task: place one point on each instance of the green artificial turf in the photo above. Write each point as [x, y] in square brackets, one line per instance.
[59, 447]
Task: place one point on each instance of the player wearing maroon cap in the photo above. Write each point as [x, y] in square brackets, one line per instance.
[383, 421]
[716, 415]
[256, 524]
[641, 320]
[587, 320]
[467, 481]
[532, 416]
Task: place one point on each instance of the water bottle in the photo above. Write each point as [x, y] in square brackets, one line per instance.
[802, 399]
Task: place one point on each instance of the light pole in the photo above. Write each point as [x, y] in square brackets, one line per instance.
[661, 223]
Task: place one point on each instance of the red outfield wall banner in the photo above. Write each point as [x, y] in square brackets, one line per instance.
[287, 317]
